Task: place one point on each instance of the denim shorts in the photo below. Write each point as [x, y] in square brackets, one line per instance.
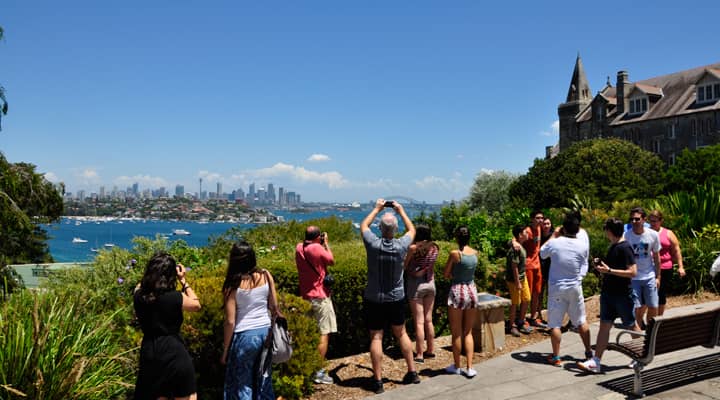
[618, 305]
[645, 293]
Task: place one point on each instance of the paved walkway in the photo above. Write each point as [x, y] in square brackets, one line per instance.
[525, 375]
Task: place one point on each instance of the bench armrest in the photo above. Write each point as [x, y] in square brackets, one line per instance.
[628, 332]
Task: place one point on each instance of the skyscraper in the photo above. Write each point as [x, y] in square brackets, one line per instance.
[271, 193]
[179, 191]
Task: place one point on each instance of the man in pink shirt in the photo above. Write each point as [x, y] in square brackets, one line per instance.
[312, 257]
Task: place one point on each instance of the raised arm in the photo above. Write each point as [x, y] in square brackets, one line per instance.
[190, 301]
[409, 227]
[365, 224]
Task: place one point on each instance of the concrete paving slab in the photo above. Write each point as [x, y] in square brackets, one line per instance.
[523, 375]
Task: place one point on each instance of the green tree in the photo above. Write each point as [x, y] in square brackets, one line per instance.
[490, 191]
[27, 199]
[3, 100]
[600, 171]
[695, 168]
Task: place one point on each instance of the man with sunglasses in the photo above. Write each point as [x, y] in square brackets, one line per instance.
[646, 248]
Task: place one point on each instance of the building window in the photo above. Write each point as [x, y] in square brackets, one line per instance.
[671, 131]
[672, 158]
[708, 93]
[656, 146]
[638, 106]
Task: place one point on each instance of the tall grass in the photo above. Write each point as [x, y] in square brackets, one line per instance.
[691, 211]
[50, 349]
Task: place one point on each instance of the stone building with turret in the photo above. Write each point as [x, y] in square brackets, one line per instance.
[664, 115]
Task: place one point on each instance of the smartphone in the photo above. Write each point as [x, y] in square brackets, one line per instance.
[389, 204]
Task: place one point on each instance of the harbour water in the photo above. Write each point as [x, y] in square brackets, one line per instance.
[121, 232]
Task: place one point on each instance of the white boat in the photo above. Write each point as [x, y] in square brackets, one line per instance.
[94, 250]
[109, 245]
[180, 232]
[79, 240]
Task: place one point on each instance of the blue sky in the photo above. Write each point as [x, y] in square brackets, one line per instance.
[336, 100]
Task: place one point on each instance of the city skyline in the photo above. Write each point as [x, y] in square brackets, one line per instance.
[340, 101]
[262, 195]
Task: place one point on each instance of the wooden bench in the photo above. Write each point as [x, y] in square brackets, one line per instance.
[666, 334]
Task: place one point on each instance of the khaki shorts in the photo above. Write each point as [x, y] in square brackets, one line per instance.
[324, 313]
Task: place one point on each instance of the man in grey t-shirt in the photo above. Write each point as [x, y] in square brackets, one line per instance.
[384, 298]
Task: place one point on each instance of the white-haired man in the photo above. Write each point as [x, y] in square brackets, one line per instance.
[384, 298]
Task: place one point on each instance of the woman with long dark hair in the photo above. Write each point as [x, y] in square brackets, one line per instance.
[462, 300]
[166, 370]
[420, 271]
[248, 309]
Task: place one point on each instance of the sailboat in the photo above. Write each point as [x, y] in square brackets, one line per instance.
[79, 240]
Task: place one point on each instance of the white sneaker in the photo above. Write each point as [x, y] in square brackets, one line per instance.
[453, 370]
[591, 365]
[470, 372]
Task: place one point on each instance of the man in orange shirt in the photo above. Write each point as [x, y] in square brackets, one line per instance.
[533, 272]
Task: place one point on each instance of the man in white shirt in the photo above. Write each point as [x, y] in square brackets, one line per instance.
[646, 247]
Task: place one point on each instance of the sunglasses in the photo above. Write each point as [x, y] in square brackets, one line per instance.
[635, 219]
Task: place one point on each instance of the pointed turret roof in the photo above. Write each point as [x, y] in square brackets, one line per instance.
[579, 89]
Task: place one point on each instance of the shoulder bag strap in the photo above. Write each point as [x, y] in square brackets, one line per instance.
[271, 296]
[312, 266]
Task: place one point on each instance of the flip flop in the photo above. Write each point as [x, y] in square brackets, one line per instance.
[428, 355]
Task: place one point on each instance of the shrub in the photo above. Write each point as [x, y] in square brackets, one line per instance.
[51, 347]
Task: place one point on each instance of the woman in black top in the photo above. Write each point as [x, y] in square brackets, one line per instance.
[166, 369]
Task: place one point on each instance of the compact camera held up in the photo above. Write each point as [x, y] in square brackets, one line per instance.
[323, 235]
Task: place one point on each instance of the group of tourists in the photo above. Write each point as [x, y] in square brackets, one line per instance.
[637, 261]
[400, 270]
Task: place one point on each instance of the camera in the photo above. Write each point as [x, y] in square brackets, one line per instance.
[322, 238]
[389, 204]
[596, 261]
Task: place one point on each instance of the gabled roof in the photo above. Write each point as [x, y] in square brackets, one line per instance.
[678, 90]
[651, 90]
[714, 72]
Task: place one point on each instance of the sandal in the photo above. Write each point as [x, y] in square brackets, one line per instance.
[428, 355]
[419, 360]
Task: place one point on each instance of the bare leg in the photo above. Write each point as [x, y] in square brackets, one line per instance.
[468, 322]
[429, 327]
[323, 346]
[661, 309]
[405, 345]
[555, 338]
[456, 320]
[419, 319]
[584, 332]
[513, 314]
[652, 312]
[640, 314]
[602, 338]
[376, 353]
[523, 311]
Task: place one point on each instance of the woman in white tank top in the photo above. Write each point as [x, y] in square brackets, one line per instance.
[247, 323]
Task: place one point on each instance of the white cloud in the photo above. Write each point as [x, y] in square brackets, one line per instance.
[88, 177]
[554, 129]
[144, 181]
[434, 183]
[208, 176]
[51, 177]
[333, 179]
[319, 158]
